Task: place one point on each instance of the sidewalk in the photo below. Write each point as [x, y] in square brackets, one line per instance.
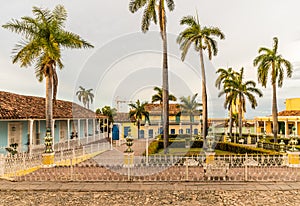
[148, 186]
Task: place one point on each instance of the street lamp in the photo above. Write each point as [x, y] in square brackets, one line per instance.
[147, 141]
[234, 126]
[111, 126]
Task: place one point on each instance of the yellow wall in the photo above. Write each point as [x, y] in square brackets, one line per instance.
[292, 104]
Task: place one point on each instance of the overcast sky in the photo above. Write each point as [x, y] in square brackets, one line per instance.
[125, 63]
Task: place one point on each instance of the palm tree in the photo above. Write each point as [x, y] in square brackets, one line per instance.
[85, 96]
[44, 38]
[110, 113]
[137, 112]
[202, 38]
[225, 74]
[155, 10]
[190, 106]
[158, 97]
[238, 91]
[269, 61]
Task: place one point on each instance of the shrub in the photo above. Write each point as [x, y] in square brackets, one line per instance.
[242, 149]
[153, 147]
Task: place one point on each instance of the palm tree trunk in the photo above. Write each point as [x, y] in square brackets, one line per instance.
[274, 113]
[230, 121]
[240, 118]
[138, 126]
[165, 88]
[204, 96]
[49, 109]
[191, 127]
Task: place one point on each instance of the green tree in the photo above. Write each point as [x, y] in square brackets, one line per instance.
[225, 74]
[238, 91]
[85, 96]
[270, 62]
[154, 10]
[110, 113]
[45, 37]
[202, 38]
[138, 111]
[190, 106]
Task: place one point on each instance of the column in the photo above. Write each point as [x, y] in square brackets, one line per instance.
[99, 122]
[78, 131]
[87, 130]
[286, 128]
[296, 126]
[68, 133]
[94, 129]
[30, 135]
[120, 133]
[107, 127]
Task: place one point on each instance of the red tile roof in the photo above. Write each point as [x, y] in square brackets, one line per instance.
[15, 106]
[289, 113]
[174, 109]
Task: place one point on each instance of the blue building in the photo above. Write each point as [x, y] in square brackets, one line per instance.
[22, 121]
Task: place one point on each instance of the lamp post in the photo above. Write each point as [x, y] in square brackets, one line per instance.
[234, 136]
[111, 126]
[147, 141]
[201, 121]
[180, 127]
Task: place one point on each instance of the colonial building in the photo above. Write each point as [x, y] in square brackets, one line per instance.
[22, 121]
[179, 122]
[287, 119]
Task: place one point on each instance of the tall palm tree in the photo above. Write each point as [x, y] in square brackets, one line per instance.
[137, 112]
[238, 91]
[44, 38]
[225, 74]
[86, 96]
[190, 106]
[202, 38]
[154, 10]
[269, 61]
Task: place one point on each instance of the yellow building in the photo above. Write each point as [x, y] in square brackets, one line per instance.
[179, 123]
[287, 119]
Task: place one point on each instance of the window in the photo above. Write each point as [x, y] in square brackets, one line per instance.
[188, 131]
[172, 131]
[150, 133]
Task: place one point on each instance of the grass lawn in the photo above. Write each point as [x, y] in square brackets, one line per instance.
[194, 151]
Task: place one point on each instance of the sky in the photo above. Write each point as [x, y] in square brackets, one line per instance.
[125, 64]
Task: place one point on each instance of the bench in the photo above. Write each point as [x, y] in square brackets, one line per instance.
[216, 169]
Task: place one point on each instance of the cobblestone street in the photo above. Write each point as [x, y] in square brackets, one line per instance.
[203, 197]
[206, 194]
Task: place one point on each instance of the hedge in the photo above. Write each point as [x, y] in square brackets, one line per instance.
[156, 145]
[242, 149]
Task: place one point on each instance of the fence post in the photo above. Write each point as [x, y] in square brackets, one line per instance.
[186, 171]
[246, 168]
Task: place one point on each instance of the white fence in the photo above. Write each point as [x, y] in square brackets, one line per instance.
[22, 163]
[165, 168]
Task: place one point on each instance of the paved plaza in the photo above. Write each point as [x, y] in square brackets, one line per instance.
[206, 193]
